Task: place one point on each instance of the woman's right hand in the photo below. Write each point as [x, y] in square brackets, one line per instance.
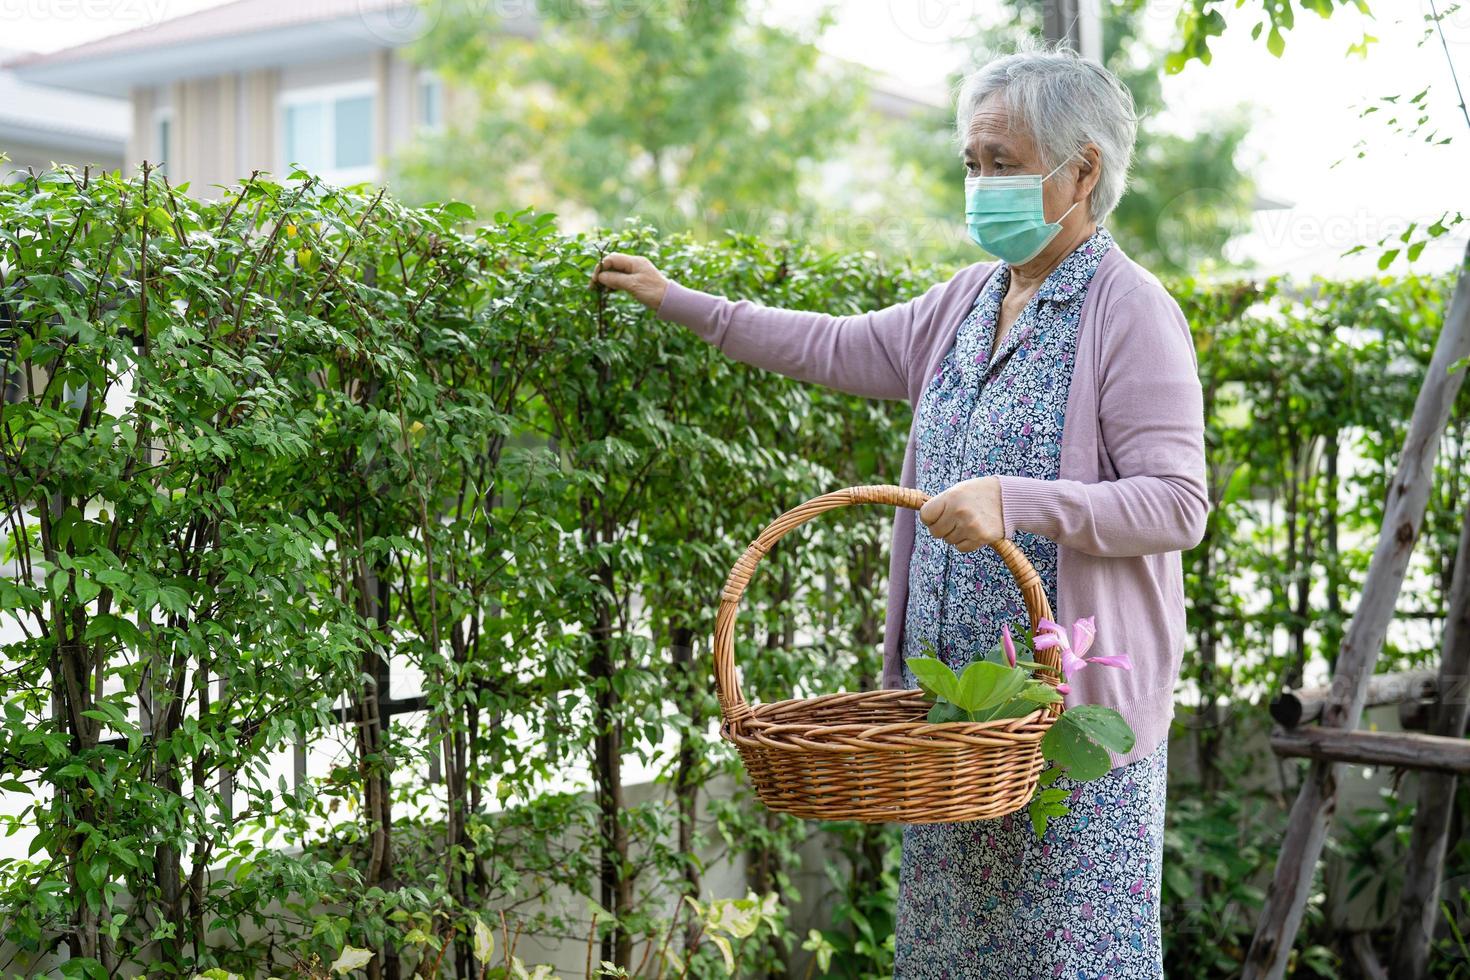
[633, 274]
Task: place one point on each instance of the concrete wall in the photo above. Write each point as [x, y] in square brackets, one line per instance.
[724, 877]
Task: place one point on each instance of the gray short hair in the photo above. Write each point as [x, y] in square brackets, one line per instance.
[1065, 101]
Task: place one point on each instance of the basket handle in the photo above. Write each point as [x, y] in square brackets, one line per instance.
[732, 703]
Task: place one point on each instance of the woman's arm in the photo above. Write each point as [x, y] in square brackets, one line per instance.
[862, 354]
[1151, 419]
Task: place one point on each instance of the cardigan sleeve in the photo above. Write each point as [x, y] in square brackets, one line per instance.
[1151, 428]
[862, 354]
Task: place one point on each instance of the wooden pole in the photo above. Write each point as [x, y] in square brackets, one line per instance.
[1403, 750]
[1301, 707]
[1403, 513]
[1360, 945]
[1074, 22]
[1418, 903]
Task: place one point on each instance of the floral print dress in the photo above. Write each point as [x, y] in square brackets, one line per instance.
[986, 898]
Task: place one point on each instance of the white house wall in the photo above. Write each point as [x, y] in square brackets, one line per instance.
[225, 126]
[337, 71]
[40, 157]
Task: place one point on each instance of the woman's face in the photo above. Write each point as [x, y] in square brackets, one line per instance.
[993, 148]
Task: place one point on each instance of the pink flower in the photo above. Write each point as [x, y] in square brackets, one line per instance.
[1008, 644]
[1050, 635]
[1071, 663]
[1083, 633]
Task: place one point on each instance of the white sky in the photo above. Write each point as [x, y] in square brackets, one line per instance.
[1304, 106]
[1304, 109]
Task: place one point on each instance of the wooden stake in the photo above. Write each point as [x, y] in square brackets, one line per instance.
[1281, 916]
[1301, 707]
[1403, 750]
[1418, 903]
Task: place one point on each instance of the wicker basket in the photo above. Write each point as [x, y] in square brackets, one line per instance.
[871, 756]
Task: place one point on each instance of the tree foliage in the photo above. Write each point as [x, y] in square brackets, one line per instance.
[689, 116]
[1201, 20]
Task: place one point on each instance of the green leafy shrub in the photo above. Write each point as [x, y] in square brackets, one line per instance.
[257, 450]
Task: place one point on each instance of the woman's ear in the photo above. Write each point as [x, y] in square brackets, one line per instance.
[1089, 169]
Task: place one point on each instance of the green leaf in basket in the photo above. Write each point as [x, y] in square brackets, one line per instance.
[945, 711]
[935, 677]
[1016, 707]
[996, 655]
[984, 685]
[977, 683]
[1039, 692]
[1032, 695]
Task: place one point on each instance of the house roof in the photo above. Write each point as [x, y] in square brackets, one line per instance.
[247, 34]
[242, 35]
[896, 97]
[52, 118]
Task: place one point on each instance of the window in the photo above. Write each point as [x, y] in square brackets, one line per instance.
[430, 102]
[329, 132]
[163, 122]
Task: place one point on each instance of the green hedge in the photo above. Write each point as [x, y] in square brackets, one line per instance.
[256, 447]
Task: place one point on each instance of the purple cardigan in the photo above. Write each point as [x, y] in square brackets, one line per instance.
[1131, 489]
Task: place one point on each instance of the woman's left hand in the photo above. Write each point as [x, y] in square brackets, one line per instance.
[967, 515]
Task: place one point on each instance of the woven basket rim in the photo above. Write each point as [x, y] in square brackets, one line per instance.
[995, 724]
[761, 709]
[914, 735]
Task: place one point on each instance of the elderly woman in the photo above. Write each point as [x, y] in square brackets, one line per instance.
[1056, 402]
